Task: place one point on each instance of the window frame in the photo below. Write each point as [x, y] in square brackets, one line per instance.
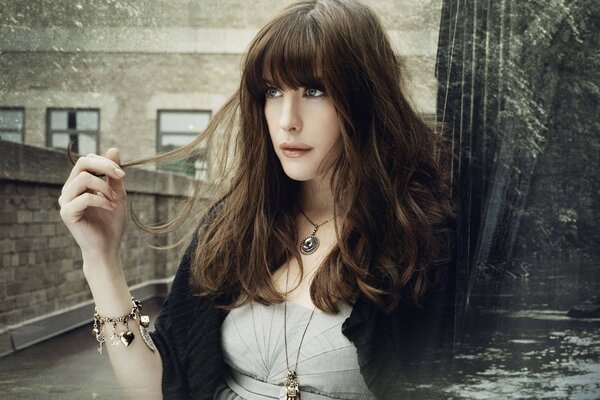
[15, 108]
[159, 133]
[49, 130]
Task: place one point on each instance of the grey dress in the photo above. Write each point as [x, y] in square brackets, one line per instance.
[253, 346]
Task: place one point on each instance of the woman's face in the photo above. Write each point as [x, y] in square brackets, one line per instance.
[305, 130]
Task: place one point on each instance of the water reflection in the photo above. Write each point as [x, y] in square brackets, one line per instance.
[529, 363]
[521, 343]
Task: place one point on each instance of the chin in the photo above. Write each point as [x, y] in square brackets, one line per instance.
[299, 175]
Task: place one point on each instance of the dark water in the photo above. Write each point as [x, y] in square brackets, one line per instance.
[519, 342]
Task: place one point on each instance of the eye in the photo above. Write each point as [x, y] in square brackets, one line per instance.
[273, 92]
[313, 92]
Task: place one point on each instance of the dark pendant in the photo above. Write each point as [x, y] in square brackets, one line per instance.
[309, 245]
[127, 338]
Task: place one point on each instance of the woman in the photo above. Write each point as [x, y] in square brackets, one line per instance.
[319, 269]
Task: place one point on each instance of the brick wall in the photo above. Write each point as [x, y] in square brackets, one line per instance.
[42, 287]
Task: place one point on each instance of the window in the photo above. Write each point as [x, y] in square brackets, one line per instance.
[80, 126]
[177, 128]
[12, 126]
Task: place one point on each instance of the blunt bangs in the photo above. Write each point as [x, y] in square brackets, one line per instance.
[287, 54]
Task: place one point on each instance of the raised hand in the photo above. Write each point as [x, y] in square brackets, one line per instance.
[94, 209]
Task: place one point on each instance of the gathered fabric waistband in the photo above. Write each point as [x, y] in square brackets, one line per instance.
[253, 389]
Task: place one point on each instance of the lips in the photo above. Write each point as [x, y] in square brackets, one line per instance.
[294, 149]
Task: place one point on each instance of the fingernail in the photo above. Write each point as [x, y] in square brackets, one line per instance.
[120, 173]
[115, 195]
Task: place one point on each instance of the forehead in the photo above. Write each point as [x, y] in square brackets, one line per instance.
[287, 52]
[291, 70]
[284, 78]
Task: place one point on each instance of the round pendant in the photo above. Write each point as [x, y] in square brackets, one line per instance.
[309, 245]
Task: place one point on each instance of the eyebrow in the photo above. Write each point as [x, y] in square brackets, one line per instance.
[317, 84]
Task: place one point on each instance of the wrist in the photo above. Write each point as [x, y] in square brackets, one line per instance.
[101, 266]
[108, 286]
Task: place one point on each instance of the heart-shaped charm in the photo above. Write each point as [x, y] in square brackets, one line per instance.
[127, 338]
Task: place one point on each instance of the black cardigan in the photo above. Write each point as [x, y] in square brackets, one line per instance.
[401, 355]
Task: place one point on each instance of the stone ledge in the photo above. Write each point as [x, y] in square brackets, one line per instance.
[48, 326]
[26, 163]
[6, 346]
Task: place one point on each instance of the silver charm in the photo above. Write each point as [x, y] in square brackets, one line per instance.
[144, 321]
[97, 332]
[309, 244]
[147, 338]
[290, 389]
[115, 339]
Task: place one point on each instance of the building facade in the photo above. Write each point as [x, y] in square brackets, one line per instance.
[146, 76]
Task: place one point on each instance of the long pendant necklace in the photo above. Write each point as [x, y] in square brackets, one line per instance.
[310, 244]
[291, 388]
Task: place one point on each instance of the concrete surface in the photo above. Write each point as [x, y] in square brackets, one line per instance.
[66, 367]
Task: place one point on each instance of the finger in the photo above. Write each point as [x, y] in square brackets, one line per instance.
[113, 155]
[117, 185]
[85, 182]
[96, 165]
[73, 210]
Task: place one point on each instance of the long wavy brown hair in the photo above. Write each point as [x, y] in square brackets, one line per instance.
[389, 183]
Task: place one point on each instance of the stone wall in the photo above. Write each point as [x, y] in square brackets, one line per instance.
[42, 287]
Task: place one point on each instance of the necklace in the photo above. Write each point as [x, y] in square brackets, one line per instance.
[291, 388]
[310, 244]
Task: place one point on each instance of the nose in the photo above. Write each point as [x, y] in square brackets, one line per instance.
[290, 118]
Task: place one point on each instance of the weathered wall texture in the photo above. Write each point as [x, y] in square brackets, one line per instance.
[42, 287]
[130, 59]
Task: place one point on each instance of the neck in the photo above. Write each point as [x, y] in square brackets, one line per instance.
[317, 199]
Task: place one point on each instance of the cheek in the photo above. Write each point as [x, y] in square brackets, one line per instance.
[336, 148]
[334, 130]
[270, 117]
